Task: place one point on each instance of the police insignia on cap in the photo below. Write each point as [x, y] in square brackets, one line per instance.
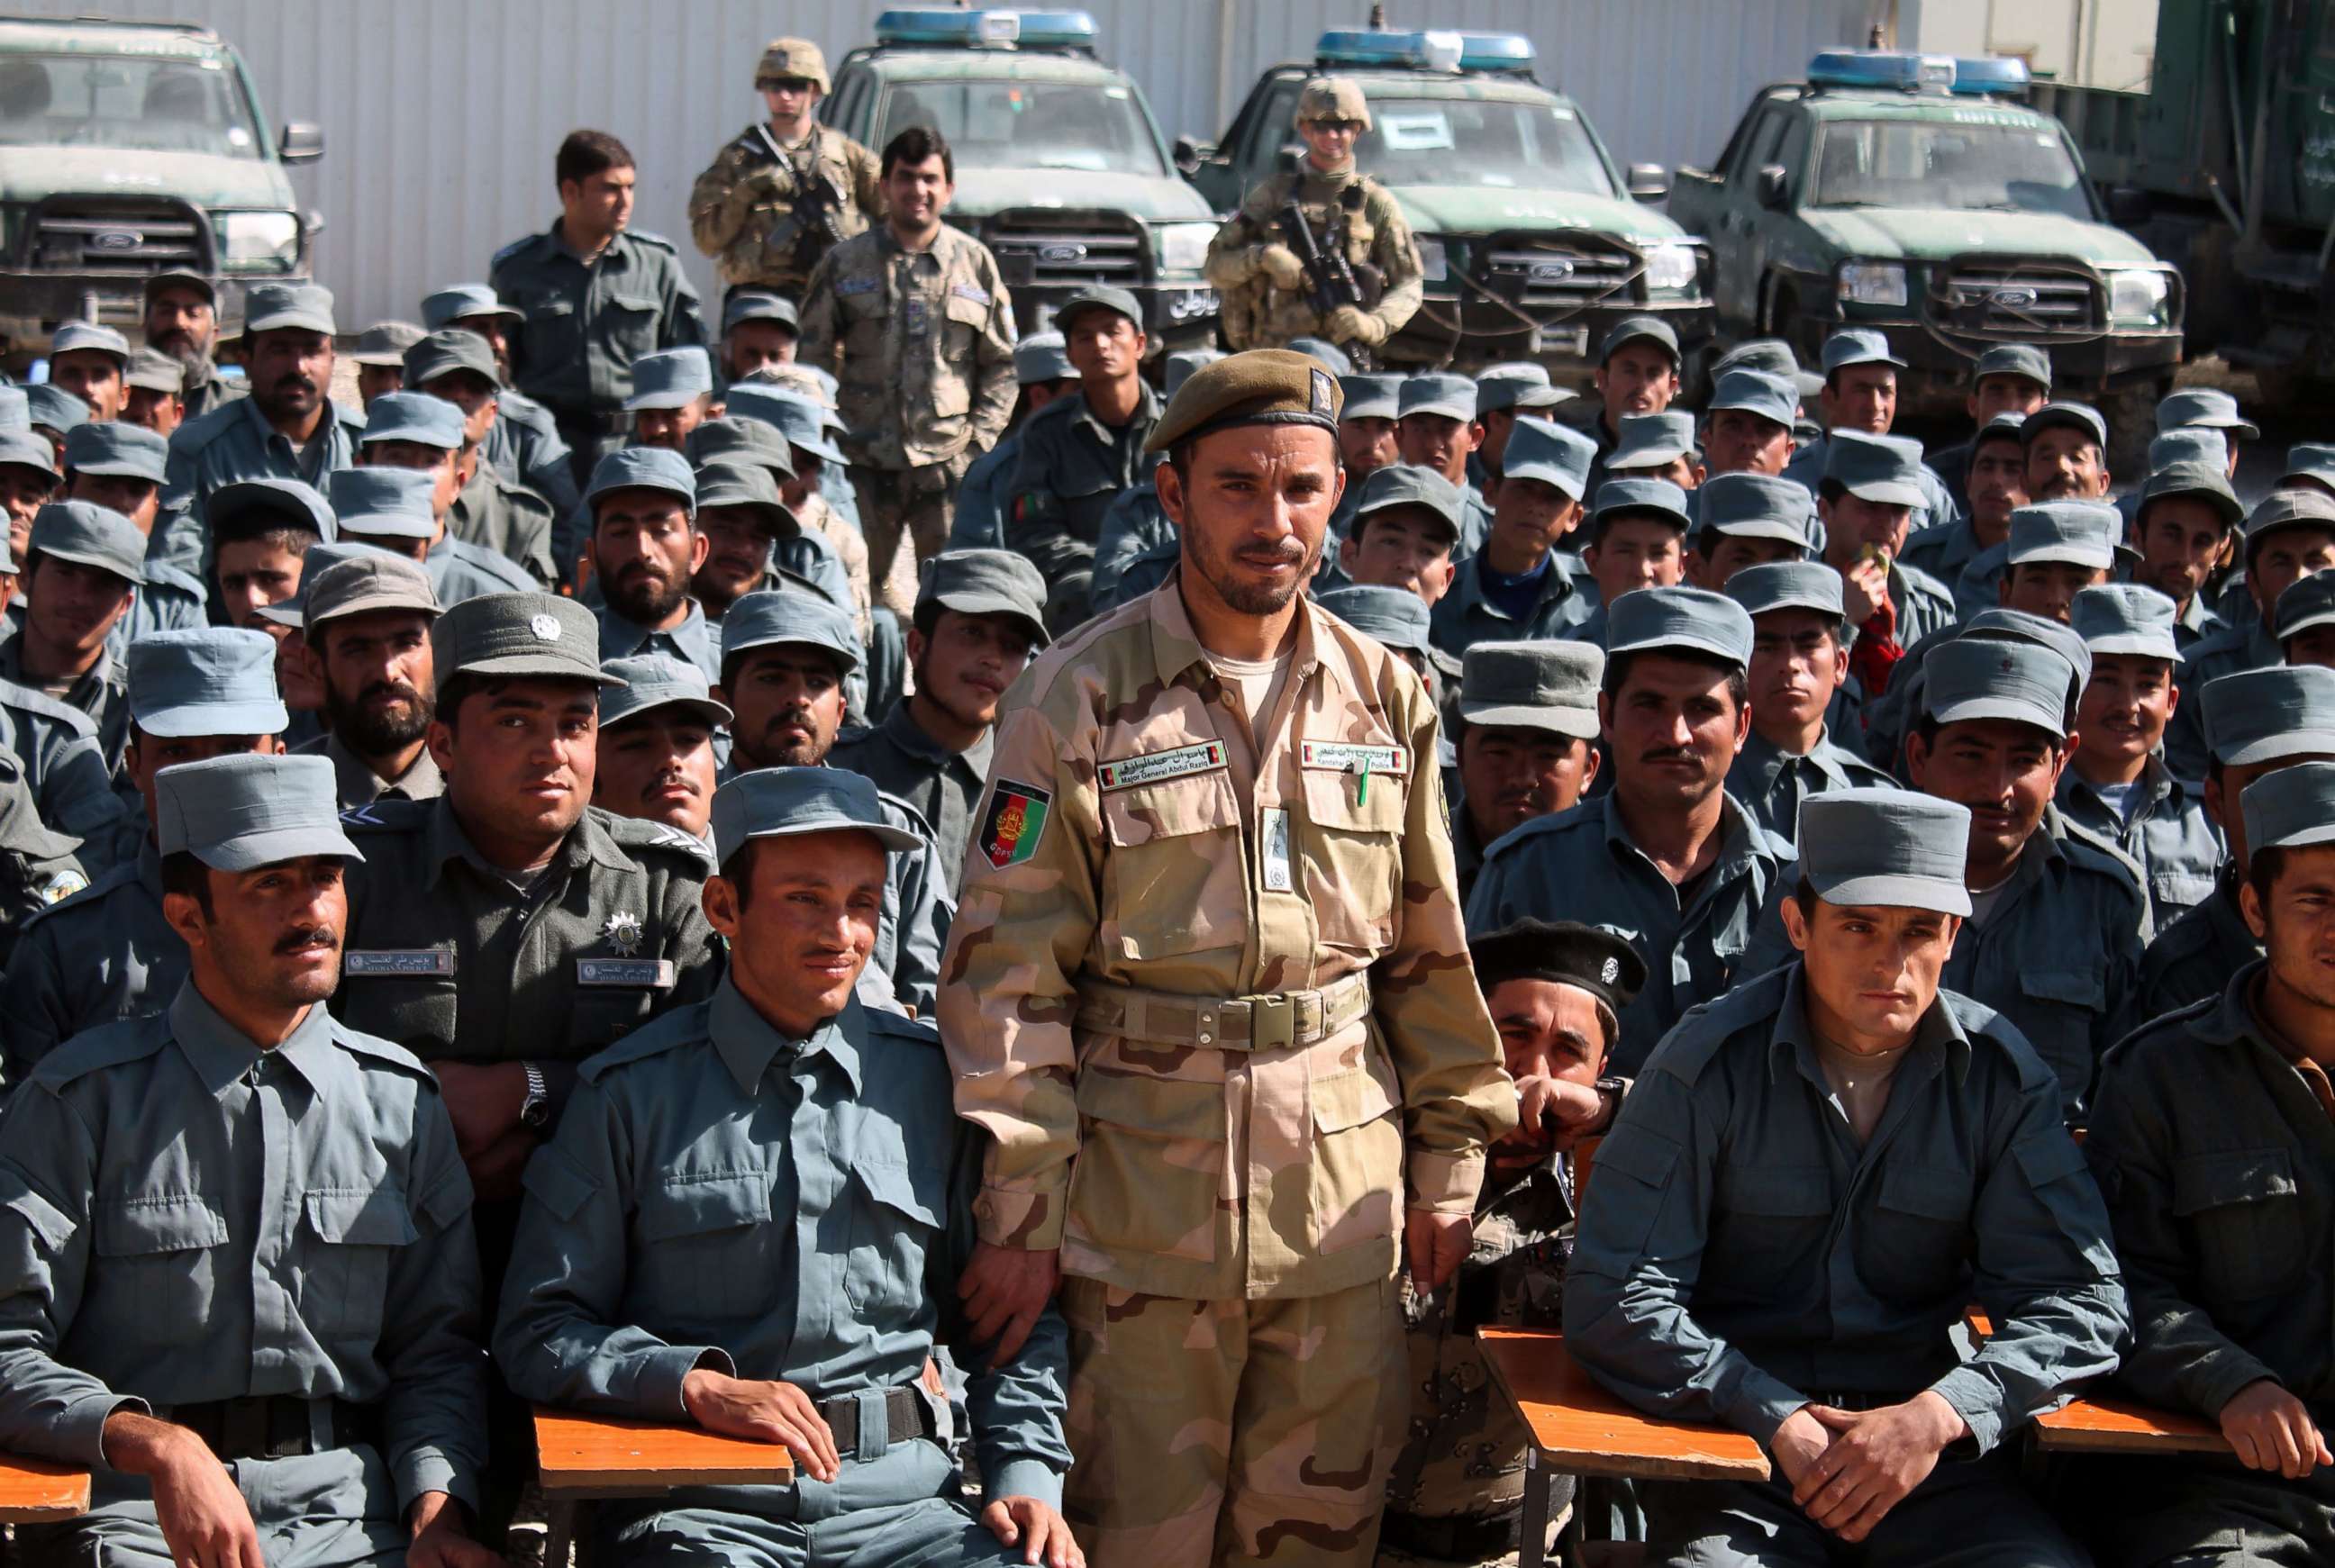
[545, 627]
[1611, 971]
[622, 930]
[1322, 394]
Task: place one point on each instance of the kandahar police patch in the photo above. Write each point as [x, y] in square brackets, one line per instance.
[1016, 821]
[1321, 389]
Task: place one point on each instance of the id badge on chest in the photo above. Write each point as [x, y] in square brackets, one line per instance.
[1273, 850]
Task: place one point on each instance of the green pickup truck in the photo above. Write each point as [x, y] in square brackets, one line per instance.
[133, 148]
[1060, 170]
[1532, 240]
[1913, 194]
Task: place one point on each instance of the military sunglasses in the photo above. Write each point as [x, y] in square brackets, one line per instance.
[1351, 127]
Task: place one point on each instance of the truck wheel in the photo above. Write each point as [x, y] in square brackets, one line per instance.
[2131, 413]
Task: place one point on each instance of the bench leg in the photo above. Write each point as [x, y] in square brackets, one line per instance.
[1533, 1530]
[559, 1534]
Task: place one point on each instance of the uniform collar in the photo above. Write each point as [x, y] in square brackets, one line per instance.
[1937, 1027]
[1176, 647]
[1736, 842]
[620, 635]
[360, 785]
[1146, 414]
[1556, 583]
[611, 253]
[105, 673]
[1766, 760]
[444, 840]
[900, 727]
[221, 1053]
[748, 1045]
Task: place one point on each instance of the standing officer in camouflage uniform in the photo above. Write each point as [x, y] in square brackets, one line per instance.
[1210, 992]
[594, 294]
[1262, 277]
[1554, 990]
[783, 194]
[913, 320]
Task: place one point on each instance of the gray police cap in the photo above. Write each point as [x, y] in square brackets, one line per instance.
[2205, 481]
[21, 448]
[244, 811]
[1326, 352]
[118, 449]
[795, 416]
[788, 802]
[366, 582]
[1181, 364]
[739, 443]
[2023, 359]
[307, 306]
[986, 583]
[1534, 685]
[643, 469]
[743, 482]
[2292, 808]
[1394, 616]
[1977, 678]
[90, 535]
[670, 378]
[2126, 618]
[205, 681]
[415, 417]
[1657, 496]
[2300, 506]
[771, 617]
[515, 636]
[1550, 453]
[1883, 469]
[657, 680]
[2189, 444]
[1100, 296]
[74, 336]
[2070, 533]
[385, 343]
[315, 561]
[53, 408]
[2266, 715]
[1887, 847]
[1438, 393]
[2304, 460]
[2202, 407]
[2064, 415]
[756, 304]
[1788, 585]
[1679, 620]
[1042, 356]
[378, 500]
[1772, 356]
[1521, 384]
[447, 350]
[1999, 623]
[1371, 397]
[1631, 329]
[1650, 442]
[1755, 391]
[1857, 345]
[2303, 603]
[1406, 485]
[15, 409]
[464, 302]
[151, 370]
[1756, 507]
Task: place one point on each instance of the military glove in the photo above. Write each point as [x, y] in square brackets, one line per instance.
[1281, 265]
[1352, 323]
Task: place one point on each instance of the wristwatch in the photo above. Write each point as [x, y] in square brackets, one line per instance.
[1612, 1090]
[535, 1110]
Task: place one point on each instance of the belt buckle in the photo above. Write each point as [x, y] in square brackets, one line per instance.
[1272, 1021]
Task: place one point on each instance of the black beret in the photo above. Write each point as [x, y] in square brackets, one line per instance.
[1596, 960]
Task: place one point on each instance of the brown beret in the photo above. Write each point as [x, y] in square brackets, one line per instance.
[1264, 386]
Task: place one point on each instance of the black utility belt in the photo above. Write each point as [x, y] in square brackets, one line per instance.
[278, 1425]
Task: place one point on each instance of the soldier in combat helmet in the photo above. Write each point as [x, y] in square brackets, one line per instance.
[1256, 262]
[783, 192]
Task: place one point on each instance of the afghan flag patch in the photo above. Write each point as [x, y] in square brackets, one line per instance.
[1016, 823]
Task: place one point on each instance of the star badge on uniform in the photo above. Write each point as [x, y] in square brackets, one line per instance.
[622, 933]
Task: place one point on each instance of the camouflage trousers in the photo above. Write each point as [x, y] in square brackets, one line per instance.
[905, 515]
[1231, 1432]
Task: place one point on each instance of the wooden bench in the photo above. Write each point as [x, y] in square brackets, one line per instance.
[41, 1491]
[2104, 1424]
[1579, 1428]
[581, 1457]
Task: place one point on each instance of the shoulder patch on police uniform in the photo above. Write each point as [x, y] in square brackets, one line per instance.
[850, 285]
[1157, 767]
[1353, 757]
[1016, 822]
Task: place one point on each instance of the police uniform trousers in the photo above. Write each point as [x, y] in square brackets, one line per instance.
[2203, 1512]
[321, 1510]
[1232, 1432]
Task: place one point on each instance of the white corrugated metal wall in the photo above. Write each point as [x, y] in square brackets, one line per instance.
[441, 116]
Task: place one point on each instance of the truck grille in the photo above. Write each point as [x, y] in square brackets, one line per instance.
[1560, 277]
[1052, 247]
[2018, 298]
[86, 235]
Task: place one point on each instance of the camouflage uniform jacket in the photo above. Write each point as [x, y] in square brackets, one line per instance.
[921, 344]
[1369, 227]
[1463, 1454]
[742, 210]
[1132, 837]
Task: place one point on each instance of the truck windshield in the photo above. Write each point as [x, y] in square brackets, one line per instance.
[1481, 141]
[1008, 124]
[140, 102]
[2002, 167]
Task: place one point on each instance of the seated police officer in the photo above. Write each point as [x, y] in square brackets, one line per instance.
[2213, 1139]
[236, 1274]
[753, 1216]
[1799, 661]
[659, 743]
[1525, 736]
[1808, 1182]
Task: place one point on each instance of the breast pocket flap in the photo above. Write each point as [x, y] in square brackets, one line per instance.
[2208, 1181]
[1926, 1191]
[913, 1192]
[695, 1206]
[141, 1227]
[361, 1217]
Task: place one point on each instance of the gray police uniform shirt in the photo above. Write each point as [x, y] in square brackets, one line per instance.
[1745, 1254]
[719, 1194]
[2193, 958]
[356, 784]
[1136, 547]
[454, 960]
[584, 323]
[461, 570]
[1072, 466]
[501, 515]
[185, 1217]
[39, 867]
[944, 786]
[56, 744]
[694, 642]
[204, 389]
[1944, 551]
[979, 520]
[101, 956]
[1771, 782]
[235, 443]
[2165, 832]
[523, 445]
[102, 692]
[1581, 864]
[2228, 651]
[1465, 616]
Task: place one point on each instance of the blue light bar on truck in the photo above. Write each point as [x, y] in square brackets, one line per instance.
[1883, 69]
[988, 29]
[1982, 77]
[1427, 50]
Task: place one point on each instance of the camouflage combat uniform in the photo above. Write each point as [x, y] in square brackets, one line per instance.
[1213, 1000]
[922, 345]
[742, 210]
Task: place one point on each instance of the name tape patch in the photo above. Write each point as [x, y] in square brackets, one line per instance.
[657, 973]
[1016, 822]
[1157, 767]
[1353, 757]
[397, 961]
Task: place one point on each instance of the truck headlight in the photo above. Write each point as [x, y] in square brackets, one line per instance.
[259, 239]
[1184, 246]
[1670, 268]
[2138, 298]
[1872, 283]
[1434, 260]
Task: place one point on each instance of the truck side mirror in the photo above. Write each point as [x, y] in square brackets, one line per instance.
[1191, 152]
[1648, 181]
[1770, 186]
[2127, 205]
[301, 143]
